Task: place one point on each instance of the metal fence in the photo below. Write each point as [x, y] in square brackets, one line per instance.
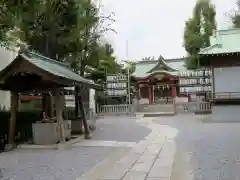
[119, 109]
[216, 96]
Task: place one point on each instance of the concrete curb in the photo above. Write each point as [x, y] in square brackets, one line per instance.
[159, 114]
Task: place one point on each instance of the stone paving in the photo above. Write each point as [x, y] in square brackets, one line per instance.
[113, 136]
[121, 128]
[150, 159]
[23, 164]
[147, 155]
[205, 151]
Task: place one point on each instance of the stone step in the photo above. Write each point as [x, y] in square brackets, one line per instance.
[159, 114]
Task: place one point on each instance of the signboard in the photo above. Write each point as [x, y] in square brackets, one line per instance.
[117, 78]
[117, 85]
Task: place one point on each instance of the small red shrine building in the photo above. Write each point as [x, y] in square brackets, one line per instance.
[157, 79]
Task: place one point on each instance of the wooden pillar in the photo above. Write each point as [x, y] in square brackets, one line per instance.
[77, 110]
[13, 116]
[150, 94]
[59, 112]
[174, 98]
[139, 92]
[47, 104]
[87, 134]
[173, 91]
[50, 107]
[153, 94]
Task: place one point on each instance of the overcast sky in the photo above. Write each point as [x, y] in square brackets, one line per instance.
[154, 27]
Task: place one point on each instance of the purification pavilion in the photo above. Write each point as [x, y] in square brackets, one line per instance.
[30, 72]
[157, 79]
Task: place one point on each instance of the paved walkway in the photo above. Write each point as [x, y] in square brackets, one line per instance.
[150, 159]
[128, 149]
[205, 150]
[120, 128]
[113, 138]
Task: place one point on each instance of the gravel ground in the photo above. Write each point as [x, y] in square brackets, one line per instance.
[51, 164]
[120, 128]
[205, 151]
[36, 164]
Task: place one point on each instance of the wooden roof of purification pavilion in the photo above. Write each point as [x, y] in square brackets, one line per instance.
[31, 71]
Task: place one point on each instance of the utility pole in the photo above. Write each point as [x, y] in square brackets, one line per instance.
[128, 72]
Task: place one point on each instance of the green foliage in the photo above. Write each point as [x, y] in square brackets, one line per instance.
[131, 65]
[236, 15]
[66, 30]
[106, 63]
[191, 62]
[7, 20]
[48, 30]
[86, 46]
[197, 31]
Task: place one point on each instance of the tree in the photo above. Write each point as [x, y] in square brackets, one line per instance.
[236, 15]
[47, 27]
[88, 35]
[9, 18]
[106, 64]
[198, 30]
[131, 65]
[65, 30]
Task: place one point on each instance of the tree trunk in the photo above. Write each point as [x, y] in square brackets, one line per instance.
[82, 69]
[87, 134]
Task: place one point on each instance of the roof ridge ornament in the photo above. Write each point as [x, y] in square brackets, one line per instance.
[160, 57]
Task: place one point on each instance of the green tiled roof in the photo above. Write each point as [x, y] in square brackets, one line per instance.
[223, 42]
[177, 63]
[145, 69]
[54, 67]
[162, 65]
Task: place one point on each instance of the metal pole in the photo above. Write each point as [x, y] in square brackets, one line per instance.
[128, 72]
[129, 88]
[153, 93]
